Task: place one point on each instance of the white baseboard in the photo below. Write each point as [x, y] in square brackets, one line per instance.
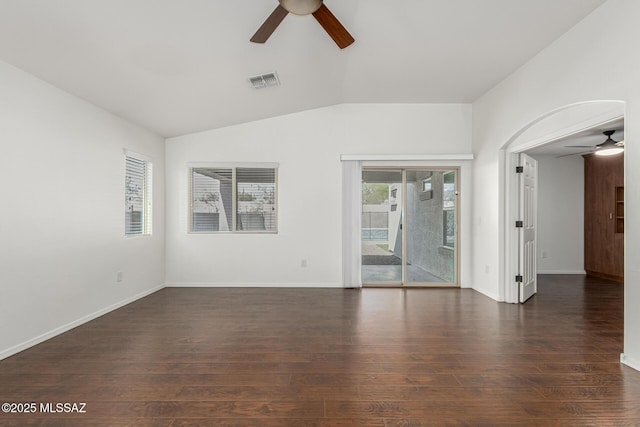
[582, 272]
[252, 285]
[64, 328]
[630, 362]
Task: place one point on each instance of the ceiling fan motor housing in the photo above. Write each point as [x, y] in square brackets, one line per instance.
[301, 7]
[323, 15]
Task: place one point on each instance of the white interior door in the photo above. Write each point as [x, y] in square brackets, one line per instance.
[528, 195]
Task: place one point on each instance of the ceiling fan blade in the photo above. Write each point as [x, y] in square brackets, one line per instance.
[574, 154]
[269, 25]
[333, 27]
[579, 146]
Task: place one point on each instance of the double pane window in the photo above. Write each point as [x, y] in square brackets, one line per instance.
[233, 199]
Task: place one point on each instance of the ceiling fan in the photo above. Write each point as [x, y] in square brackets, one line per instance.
[607, 148]
[323, 15]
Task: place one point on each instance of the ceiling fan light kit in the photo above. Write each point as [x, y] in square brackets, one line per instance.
[609, 147]
[317, 8]
[301, 7]
[609, 151]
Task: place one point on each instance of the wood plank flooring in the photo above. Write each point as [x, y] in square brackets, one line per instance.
[332, 357]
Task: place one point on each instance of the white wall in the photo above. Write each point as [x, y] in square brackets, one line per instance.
[307, 146]
[577, 67]
[62, 215]
[560, 229]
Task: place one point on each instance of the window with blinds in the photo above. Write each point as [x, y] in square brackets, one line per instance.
[137, 194]
[233, 199]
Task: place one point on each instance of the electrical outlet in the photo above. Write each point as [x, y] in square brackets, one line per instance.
[119, 276]
[303, 263]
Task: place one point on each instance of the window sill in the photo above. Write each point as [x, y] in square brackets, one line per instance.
[253, 233]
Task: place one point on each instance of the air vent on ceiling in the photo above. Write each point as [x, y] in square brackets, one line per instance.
[264, 80]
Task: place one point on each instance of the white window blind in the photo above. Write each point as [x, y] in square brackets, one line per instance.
[211, 199]
[256, 195]
[233, 199]
[137, 196]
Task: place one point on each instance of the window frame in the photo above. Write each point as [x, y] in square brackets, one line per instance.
[234, 202]
[446, 210]
[147, 194]
[426, 185]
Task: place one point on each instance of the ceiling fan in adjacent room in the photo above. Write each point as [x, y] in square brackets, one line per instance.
[607, 148]
[323, 15]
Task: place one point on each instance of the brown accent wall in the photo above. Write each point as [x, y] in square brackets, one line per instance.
[604, 216]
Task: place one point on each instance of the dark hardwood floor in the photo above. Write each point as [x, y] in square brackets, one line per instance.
[331, 357]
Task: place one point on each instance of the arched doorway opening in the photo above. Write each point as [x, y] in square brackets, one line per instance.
[545, 129]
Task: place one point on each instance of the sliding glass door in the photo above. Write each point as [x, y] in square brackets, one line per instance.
[430, 227]
[382, 227]
[409, 227]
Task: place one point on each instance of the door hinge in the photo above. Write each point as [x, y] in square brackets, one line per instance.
[519, 224]
[518, 279]
[519, 169]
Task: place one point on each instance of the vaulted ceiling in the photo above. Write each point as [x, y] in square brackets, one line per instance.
[180, 66]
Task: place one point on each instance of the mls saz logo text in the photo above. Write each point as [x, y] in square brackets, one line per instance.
[67, 408]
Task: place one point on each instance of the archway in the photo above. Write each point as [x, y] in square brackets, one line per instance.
[555, 124]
